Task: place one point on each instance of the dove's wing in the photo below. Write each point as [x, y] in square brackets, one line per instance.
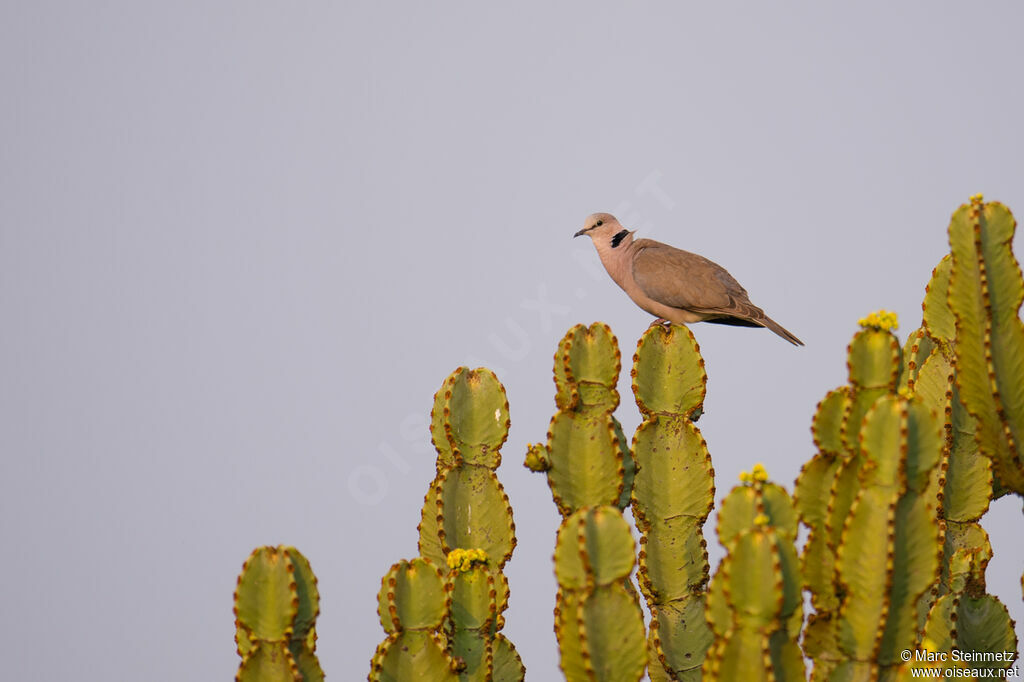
[685, 280]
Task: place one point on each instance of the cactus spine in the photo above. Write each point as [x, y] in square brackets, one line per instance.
[276, 605]
[673, 493]
[755, 599]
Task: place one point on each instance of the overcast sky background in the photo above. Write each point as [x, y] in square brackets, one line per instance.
[242, 244]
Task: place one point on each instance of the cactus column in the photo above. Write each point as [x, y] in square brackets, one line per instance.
[413, 604]
[590, 471]
[985, 294]
[895, 512]
[755, 598]
[276, 605]
[673, 493]
[586, 459]
[598, 620]
[964, 616]
[828, 483]
[467, 521]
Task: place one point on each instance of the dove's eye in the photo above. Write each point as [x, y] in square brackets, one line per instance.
[599, 223]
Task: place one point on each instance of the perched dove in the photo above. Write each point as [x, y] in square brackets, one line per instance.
[674, 285]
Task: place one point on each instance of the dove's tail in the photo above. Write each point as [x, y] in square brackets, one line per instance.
[781, 331]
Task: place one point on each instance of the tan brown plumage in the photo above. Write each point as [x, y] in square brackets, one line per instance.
[673, 284]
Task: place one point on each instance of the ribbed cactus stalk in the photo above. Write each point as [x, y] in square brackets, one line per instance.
[828, 484]
[966, 472]
[466, 510]
[895, 514]
[755, 599]
[466, 506]
[276, 605]
[598, 620]
[963, 616]
[985, 294]
[413, 604]
[479, 596]
[967, 619]
[590, 472]
[586, 458]
[673, 493]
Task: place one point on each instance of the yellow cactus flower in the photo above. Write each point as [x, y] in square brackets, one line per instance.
[880, 319]
[745, 477]
[977, 198]
[761, 520]
[759, 473]
[465, 559]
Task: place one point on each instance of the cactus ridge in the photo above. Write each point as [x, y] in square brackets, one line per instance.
[939, 321]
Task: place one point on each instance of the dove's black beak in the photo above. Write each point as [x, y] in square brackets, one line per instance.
[583, 231]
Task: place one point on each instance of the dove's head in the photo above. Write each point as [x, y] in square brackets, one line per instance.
[600, 225]
[604, 230]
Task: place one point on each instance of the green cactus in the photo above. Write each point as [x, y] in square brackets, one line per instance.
[813, 500]
[985, 294]
[755, 599]
[910, 454]
[874, 483]
[673, 493]
[467, 513]
[963, 616]
[828, 484]
[962, 369]
[598, 621]
[412, 604]
[590, 471]
[466, 506]
[276, 605]
[874, 362]
[895, 512]
[479, 596]
[586, 458]
[966, 473]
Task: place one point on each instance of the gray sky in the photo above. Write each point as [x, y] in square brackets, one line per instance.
[242, 244]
